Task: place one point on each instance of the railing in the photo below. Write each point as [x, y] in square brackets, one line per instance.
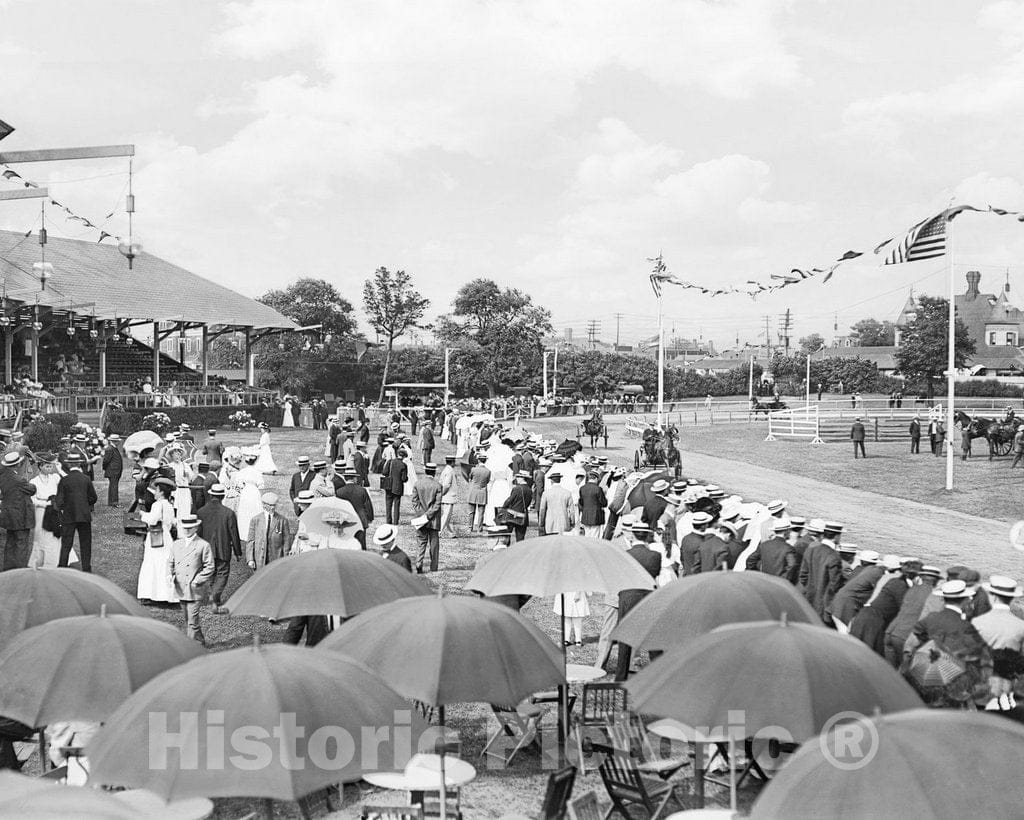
[131, 400]
[796, 422]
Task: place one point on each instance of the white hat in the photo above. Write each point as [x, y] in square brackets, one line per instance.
[699, 518]
[891, 562]
[385, 534]
[869, 557]
[776, 506]
[954, 590]
[1003, 586]
[781, 525]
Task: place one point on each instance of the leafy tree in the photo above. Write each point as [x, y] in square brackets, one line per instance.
[812, 343]
[309, 301]
[394, 308]
[923, 348]
[502, 329]
[872, 333]
[225, 354]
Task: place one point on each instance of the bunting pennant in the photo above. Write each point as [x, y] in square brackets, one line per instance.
[925, 240]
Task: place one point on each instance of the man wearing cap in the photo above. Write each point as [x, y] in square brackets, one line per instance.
[426, 502]
[213, 450]
[17, 513]
[869, 625]
[915, 435]
[270, 534]
[592, 505]
[515, 512]
[999, 627]
[557, 513]
[690, 545]
[219, 527]
[449, 496]
[776, 556]
[338, 474]
[386, 540]
[360, 500]
[712, 554]
[857, 437]
[856, 592]
[427, 443]
[361, 464]
[821, 573]
[951, 628]
[395, 475]
[476, 497]
[300, 480]
[911, 611]
[200, 484]
[656, 502]
[113, 467]
[74, 501]
[189, 569]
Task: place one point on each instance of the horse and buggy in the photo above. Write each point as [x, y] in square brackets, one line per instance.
[659, 450]
[998, 433]
[775, 403]
[594, 427]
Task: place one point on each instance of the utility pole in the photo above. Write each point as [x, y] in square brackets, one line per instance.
[618, 318]
[768, 336]
[593, 328]
[545, 391]
[785, 322]
[554, 375]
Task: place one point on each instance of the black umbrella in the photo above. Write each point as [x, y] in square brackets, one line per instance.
[641, 493]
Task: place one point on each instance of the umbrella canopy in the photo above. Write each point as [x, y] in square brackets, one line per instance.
[30, 798]
[35, 596]
[904, 765]
[324, 582]
[142, 440]
[793, 677]
[934, 668]
[262, 721]
[559, 563]
[461, 650]
[641, 491]
[313, 517]
[83, 668]
[693, 606]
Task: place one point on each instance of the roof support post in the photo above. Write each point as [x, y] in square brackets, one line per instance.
[203, 355]
[35, 354]
[102, 347]
[156, 355]
[8, 355]
[250, 363]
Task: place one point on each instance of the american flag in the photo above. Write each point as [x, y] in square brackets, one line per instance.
[926, 240]
[660, 274]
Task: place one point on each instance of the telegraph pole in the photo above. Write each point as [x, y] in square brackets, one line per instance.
[593, 328]
[618, 318]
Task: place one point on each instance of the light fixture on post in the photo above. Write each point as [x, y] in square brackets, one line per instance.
[130, 249]
[5, 320]
[71, 323]
[43, 269]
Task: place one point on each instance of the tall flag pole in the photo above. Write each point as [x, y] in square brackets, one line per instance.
[658, 275]
[950, 358]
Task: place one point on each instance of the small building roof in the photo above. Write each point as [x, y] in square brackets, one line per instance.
[97, 275]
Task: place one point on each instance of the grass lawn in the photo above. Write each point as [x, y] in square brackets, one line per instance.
[496, 791]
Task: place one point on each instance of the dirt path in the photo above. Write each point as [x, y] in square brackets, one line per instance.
[873, 520]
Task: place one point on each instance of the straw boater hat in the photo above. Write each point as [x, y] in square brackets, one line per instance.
[12, 459]
[699, 518]
[660, 487]
[954, 590]
[384, 535]
[1003, 586]
[869, 557]
[781, 525]
[777, 506]
[305, 497]
[217, 490]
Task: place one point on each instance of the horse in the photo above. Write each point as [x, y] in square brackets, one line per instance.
[999, 434]
[660, 450]
[595, 428]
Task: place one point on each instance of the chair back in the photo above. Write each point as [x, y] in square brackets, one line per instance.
[585, 808]
[391, 813]
[619, 774]
[603, 703]
[557, 797]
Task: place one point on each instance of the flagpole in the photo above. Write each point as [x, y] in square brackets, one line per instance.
[950, 358]
[661, 363]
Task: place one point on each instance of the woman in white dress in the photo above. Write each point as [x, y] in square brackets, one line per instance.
[183, 476]
[249, 483]
[411, 468]
[153, 582]
[46, 545]
[287, 419]
[343, 526]
[576, 609]
[265, 464]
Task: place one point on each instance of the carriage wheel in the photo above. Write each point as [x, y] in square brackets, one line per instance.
[1002, 448]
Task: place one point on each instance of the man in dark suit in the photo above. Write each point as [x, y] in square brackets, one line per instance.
[300, 480]
[691, 544]
[386, 540]
[915, 435]
[113, 467]
[951, 628]
[74, 500]
[361, 464]
[17, 514]
[593, 502]
[219, 527]
[426, 501]
[713, 554]
[213, 450]
[338, 474]
[656, 502]
[870, 623]
[776, 556]
[518, 501]
[427, 442]
[857, 437]
[821, 573]
[395, 474]
[360, 500]
[629, 598]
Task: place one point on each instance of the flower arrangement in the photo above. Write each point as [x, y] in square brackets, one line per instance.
[241, 420]
[157, 422]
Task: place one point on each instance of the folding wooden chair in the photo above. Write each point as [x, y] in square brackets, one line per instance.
[604, 704]
[316, 803]
[627, 788]
[430, 803]
[585, 808]
[630, 735]
[391, 813]
[556, 799]
[59, 774]
[519, 724]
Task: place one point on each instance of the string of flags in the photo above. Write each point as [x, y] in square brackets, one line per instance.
[925, 240]
[12, 175]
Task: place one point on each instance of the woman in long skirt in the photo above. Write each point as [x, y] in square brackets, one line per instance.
[286, 415]
[576, 609]
[249, 483]
[183, 476]
[154, 584]
[377, 462]
[232, 464]
[46, 544]
[265, 464]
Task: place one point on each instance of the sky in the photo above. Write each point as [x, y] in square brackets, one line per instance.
[551, 146]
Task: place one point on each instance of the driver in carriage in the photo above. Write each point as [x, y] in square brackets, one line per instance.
[1009, 415]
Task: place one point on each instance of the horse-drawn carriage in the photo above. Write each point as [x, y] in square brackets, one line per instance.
[594, 427]
[767, 406]
[998, 433]
[659, 450]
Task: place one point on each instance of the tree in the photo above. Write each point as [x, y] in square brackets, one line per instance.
[309, 301]
[872, 333]
[393, 308]
[812, 343]
[503, 328]
[224, 354]
[923, 349]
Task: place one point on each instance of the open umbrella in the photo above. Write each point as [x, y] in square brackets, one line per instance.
[693, 606]
[462, 650]
[83, 668]
[313, 517]
[35, 596]
[142, 440]
[902, 765]
[262, 721]
[32, 798]
[640, 492]
[324, 582]
[768, 679]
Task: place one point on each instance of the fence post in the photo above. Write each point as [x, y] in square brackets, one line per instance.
[876, 429]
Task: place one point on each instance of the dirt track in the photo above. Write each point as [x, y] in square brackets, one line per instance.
[873, 520]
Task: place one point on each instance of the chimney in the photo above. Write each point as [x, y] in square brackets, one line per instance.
[973, 278]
